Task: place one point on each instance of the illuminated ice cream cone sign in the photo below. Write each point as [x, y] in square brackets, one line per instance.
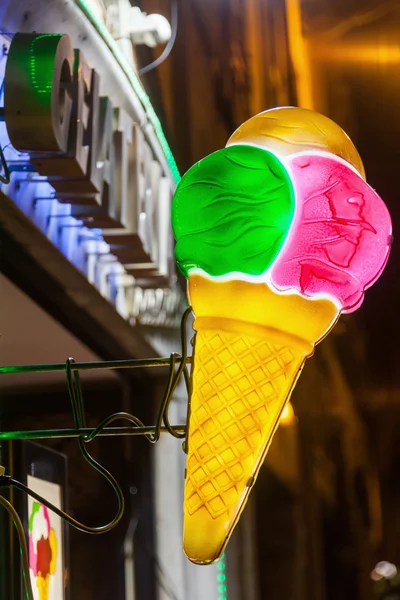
[42, 550]
[277, 235]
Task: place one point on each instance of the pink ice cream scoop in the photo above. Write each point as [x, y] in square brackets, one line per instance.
[340, 237]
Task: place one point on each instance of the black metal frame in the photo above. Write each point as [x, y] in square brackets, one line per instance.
[178, 367]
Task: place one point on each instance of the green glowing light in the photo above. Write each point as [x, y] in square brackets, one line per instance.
[42, 78]
[136, 84]
[15, 435]
[221, 577]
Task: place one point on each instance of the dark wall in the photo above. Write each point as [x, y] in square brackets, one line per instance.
[96, 561]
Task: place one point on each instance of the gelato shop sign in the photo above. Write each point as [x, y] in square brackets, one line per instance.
[95, 157]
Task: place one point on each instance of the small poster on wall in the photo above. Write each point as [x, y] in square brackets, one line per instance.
[45, 529]
[44, 471]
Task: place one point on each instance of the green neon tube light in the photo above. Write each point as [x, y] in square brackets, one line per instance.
[221, 578]
[136, 84]
[41, 79]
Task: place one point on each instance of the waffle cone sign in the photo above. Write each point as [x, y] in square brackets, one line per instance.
[277, 235]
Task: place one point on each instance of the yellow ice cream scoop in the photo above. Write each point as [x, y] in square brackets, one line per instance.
[288, 130]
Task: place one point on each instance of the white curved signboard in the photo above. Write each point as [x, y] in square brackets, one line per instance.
[86, 172]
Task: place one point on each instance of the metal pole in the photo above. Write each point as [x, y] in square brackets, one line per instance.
[44, 434]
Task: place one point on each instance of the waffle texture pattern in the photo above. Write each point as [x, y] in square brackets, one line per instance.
[240, 386]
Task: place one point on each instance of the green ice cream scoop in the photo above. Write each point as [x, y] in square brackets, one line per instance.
[232, 212]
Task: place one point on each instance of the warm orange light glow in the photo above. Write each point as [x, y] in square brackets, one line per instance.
[299, 53]
[383, 55]
[287, 417]
[376, 576]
